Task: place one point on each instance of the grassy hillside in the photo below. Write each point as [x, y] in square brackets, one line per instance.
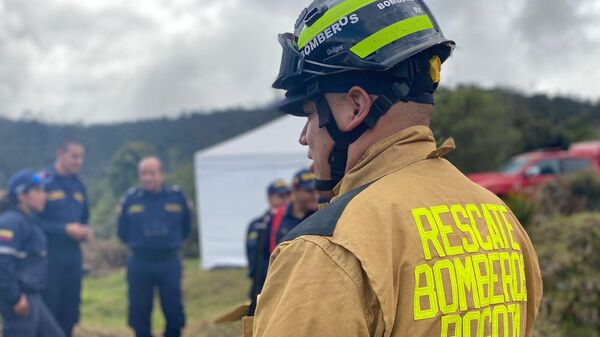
[206, 294]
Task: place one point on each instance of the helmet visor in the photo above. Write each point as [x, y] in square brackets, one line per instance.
[292, 62]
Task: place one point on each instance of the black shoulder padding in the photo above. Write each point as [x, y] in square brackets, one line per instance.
[323, 222]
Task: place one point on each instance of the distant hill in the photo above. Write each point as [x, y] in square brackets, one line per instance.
[488, 125]
[32, 144]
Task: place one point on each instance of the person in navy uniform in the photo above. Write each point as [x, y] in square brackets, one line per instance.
[23, 264]
[304, 202]
[64, 221]
[154, 220]
[278, 194]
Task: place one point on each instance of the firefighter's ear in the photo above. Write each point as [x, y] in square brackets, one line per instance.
[361, 103]
[350, 109]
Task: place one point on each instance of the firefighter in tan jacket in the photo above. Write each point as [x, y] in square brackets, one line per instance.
[408, 246]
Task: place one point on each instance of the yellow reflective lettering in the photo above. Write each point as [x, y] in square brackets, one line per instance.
[492, 228]
[443, 304]
[494, 299]
[483, 281]
[509, 228]
[448, 321]
[515, 311]
[472, 210]
[507, 277]
[426, 291]
[523, 278]
[470, 247]
[471, 316]
[465, 279]
[427, 235]
[499, 310]
[444, 230]
[514, 271]
[486, 313]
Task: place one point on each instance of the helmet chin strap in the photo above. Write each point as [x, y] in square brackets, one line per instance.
[338, 158]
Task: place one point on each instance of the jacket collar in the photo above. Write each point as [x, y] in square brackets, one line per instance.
[392, 154]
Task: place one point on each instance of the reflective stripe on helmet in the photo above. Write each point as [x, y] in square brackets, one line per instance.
[329, 18]
[391, 33]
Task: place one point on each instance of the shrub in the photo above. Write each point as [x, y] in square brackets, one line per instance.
[570, 194]
[568, 248]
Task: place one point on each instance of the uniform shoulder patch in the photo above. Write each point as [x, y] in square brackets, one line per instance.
[130, 192]
[6, 235]
[323, 222]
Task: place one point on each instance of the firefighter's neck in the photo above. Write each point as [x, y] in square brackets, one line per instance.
[400, 116]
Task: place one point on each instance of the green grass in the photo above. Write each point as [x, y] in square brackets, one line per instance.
[207, 294]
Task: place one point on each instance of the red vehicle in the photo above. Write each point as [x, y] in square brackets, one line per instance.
[528, 170]
[590, 149]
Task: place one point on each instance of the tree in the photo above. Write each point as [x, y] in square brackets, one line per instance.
[122, 172]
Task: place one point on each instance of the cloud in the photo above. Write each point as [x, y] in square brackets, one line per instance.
[109, 60]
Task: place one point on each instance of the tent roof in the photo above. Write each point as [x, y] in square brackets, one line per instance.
[279, 136]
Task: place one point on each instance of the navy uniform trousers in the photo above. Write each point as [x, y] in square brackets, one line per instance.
[144, 276]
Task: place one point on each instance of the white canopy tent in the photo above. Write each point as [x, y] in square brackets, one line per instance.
[231, 181]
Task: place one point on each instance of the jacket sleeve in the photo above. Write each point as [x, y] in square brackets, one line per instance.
[308, 294]
[186, 226]
[123, 222]
[9, 281]
[85, 217]
[54, 229]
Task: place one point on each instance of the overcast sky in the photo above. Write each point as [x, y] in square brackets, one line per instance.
[111, 60]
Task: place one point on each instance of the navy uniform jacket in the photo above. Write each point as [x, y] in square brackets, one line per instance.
[154, 224]
[288, 222]
[256, 241]
[22, 256]
[66, 203]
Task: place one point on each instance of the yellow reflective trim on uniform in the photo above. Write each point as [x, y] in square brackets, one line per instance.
[330, 17]
[173, 208]
[135, 209]
[427, 235]
[438, 268]
[391, 33]
[425, 291]
[55, 195]
[79, 197]
[307, 176]
[253, 235]
[280, 184]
